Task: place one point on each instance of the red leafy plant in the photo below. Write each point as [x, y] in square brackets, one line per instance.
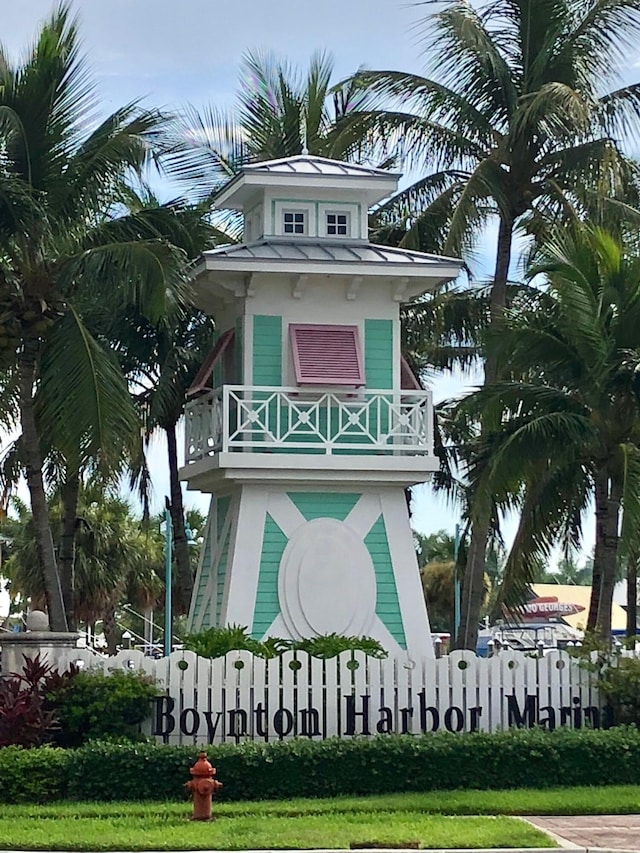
[27, 719]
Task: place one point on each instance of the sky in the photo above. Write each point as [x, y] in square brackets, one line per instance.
[190, 51]
[176, 53]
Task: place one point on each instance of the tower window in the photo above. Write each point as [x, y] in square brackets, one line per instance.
[294, 222]
[337, 224]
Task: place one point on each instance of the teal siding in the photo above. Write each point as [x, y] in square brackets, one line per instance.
[378, 358]
[239, 352]
[204, 573]
[222, 508]
[206, 619]
[324, 504]
[217, 368]
[267, 350]
[267, 604]
[378, 353]
[387, 604]
[221, 575]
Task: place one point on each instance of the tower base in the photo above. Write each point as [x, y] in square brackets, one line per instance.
[296, 563]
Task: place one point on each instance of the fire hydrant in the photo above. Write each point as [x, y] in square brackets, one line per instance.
[203, 786]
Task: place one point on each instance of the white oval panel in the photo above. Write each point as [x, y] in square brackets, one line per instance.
[326, 581]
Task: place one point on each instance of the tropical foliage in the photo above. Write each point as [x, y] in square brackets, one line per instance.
[117, 559]
[217, 642]
[516, 124]
[65, 239]
[76, 247]
[280, 111]
[572, 404]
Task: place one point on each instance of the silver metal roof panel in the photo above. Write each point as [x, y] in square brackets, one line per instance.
[326, 252]
[307, 164]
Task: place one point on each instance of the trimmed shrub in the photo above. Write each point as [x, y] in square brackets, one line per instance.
[620, 685]
[302, 768]
[92, 706]
[34, 775]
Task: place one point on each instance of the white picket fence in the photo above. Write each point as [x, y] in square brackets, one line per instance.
[241, 697]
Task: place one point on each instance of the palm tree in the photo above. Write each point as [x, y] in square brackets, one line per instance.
[435, 547]
[514, 125]
[117, 559]
[572, 426]
[569, 572]
[162, 360]
[67, 243]
[281, 111]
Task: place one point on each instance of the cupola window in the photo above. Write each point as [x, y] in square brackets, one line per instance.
[327, 355]
[294, 222]
[337, 224]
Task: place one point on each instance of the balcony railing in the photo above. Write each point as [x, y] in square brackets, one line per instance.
[294, 420]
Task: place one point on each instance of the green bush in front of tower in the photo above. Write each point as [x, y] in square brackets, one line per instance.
[217, 642]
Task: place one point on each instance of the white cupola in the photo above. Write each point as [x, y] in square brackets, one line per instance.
[306, 198]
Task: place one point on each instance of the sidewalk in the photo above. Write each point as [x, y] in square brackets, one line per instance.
[610, 832]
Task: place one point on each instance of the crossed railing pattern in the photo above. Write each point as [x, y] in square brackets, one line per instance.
[260, 418]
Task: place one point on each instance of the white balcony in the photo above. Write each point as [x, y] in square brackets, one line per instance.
[243, 419]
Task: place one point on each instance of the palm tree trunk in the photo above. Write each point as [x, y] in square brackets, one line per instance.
[33, 468]
[632, 595]
[183, 581]
[110, 630]
[473, 585]
[473, 580]
[499, 289]
[607, 499]
[67, 552]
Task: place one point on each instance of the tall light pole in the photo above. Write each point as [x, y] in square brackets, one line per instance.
[168, 616]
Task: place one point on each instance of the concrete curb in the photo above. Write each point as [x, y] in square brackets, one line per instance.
[574, 847]
[560, 840]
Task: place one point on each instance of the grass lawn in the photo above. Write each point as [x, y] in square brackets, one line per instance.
[158, 828]
[439, 819]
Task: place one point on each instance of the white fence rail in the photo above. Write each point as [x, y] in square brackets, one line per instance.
[238, 417]
[242, 697]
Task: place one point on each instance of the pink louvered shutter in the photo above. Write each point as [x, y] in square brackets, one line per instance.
[327, 355]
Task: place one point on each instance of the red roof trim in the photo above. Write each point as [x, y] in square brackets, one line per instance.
[202, 382]
[408, 379]
[327, 355]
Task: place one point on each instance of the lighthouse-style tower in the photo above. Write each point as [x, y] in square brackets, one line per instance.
[305, 424]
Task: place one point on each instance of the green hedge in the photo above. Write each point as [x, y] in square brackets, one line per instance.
[303, 768]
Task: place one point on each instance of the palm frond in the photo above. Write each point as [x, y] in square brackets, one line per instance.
[552, 510]
[83, 403]
[630, 527]
[603, 36]
[316, 89]
[146, 274]
[423, 97]
[418, 216]
[415, 141]
[471, 61]
[621, 111]
[204, 149]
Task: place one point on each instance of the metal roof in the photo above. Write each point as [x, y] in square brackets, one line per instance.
[306, 164]
[326, 252]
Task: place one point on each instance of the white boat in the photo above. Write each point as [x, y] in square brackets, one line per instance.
[531, 637]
